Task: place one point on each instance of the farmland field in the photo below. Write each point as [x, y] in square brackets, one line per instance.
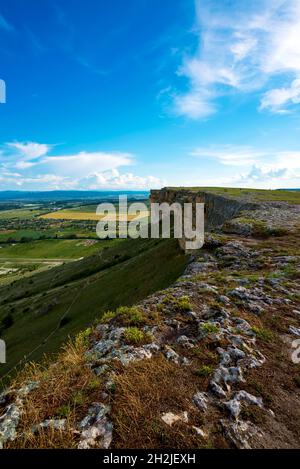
[19, 213]
[77, 215]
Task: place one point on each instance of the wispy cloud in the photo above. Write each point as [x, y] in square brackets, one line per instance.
[29, 150]
[5, 25]
[254, 167]
[232, 155]
[278, 99]
[242, 49]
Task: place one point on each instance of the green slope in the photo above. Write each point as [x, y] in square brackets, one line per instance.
[81, 291]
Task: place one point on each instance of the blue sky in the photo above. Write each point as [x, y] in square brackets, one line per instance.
[144, 93]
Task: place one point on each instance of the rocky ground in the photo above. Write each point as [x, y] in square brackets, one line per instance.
[211, 362]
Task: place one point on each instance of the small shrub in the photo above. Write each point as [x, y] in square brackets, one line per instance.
[210, 328]
[204, 371]
[184, 304]
[135, 336]
[107, 317]
[180, 304]
[131, 316]
[82, 339]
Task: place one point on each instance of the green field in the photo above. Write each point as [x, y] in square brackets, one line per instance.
[54, 249]
[21, 213]
[81, 291]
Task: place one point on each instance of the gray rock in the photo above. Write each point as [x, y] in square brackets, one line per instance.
[231, 375]
[200, 400]
[240, 433]
[294, 330]
[56, 424]
[224, 299]
[255, 308]
[9, 422]
[185, 341]
[235, 404]
[96, 430]
[171, 355]
[217, 389]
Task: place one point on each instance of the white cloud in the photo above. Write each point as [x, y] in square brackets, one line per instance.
[115, 180]
[194, 105]
[242, 49]
[252, 167]
[261, 177]
[276, 100]
[37, 169]
[232, 155]
[85, 163]
[241, 155]
[30, 150]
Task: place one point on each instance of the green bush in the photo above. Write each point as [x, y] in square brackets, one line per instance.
[135, 336]
[107, 316]
[131, 316]
[204, 371]
[210, 328]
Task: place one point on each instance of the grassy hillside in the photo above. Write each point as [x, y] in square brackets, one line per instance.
[40, 312]
[256, 195]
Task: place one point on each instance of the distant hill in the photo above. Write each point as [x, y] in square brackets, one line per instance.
[69, 195]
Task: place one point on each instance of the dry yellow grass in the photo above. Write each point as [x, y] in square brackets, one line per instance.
[66, 389]
[72, 215]
[146, 390]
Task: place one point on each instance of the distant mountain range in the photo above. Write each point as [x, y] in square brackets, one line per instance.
[70, 195]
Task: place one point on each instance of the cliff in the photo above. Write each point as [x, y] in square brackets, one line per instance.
[218, 208]
[210, 362]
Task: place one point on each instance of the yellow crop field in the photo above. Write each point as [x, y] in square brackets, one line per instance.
[72, 215]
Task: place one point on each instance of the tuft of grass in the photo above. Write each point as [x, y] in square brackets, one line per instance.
[107, 317]
[131, 316]
[82, 339]
[181, 304]
[210, 328]
[135, 336]
[263, 334]
[291, 272]
[63, 412]
[184, 304]
[204, 371]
